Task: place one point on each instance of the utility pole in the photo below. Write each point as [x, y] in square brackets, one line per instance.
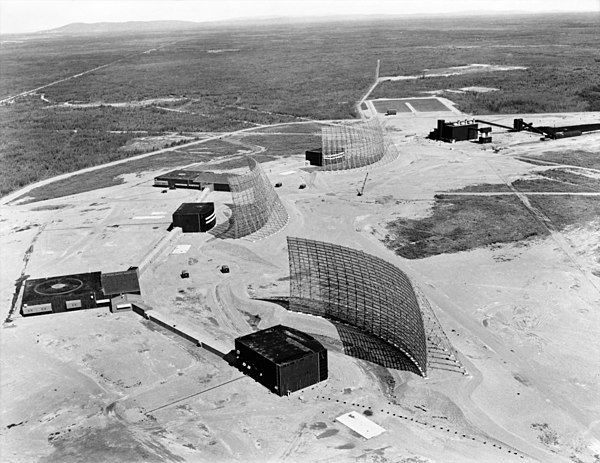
[362, 190]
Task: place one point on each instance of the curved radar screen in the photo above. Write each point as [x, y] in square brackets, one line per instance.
[361, 291]
[257, 209]
[353, 146]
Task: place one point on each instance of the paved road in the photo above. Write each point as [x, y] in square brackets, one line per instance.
[12, 196]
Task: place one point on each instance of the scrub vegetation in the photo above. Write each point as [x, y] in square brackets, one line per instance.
[465, 222]
[560, 66]
[462, 223]
[227, 78]
[113, 175]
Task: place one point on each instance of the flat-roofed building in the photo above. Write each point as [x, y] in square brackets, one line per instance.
[187, 178]
[119, 286]
[315, 156]
[195, 217]
[62, 294]
[455, 131]
[282, 359]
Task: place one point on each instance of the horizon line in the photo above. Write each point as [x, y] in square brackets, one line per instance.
[316, 18]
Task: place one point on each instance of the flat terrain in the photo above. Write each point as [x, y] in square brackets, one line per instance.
[520, 311]
[501, 238]
[404, 105]
[86, 107]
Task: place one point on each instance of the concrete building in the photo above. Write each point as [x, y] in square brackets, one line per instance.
[187, 178]
[120, 287]
[195, 217]
[455, 131]
[282, 359]
[62, 294]
[315, 156]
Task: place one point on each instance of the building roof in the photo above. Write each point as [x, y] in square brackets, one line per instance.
[178, 175]
[123, 282]
[212, 177]
[281, 344]
[195, 208]
[78, 284]
[461, 123]
[196, 176]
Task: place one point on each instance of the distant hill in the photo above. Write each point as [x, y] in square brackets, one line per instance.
[129, 26]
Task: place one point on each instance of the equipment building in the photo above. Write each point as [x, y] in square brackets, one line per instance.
[282, 359]
[119, 286]
[194, 179]
[315, 157]
[63, 293]
[195, 217]
[455, 131]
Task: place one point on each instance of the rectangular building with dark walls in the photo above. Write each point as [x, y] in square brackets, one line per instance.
[119, 286]
[315, 157]
[195, 217]
[178, 179]
[118, 283]
[63, 293]
[282, 359]
[455, 131]
[187, 178]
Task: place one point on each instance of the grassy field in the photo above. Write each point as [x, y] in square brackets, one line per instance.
[284, 145]
[564, 211]
[111, 176]
[465, 222]
[560, 74]
[312, 128]
[427, 105]
[569, 157]
[462, 223]
[216, 150]
[381, 106]
[230, 78]
[559, 180]
[35, 60]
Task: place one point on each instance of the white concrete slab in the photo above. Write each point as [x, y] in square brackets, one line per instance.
[181, 248]
[361, 424]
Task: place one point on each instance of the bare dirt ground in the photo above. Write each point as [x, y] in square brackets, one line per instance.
[94, 386]
[453, 71]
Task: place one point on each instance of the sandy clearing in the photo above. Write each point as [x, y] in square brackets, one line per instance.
[521, 317]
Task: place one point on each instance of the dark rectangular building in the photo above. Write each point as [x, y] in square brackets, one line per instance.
[118, 283]
[456, 131]
[118, 286]
[63, 293]
[282, 359]
[195, 217]
[178, 179]
[216, 181]
[315, 156]
[195, 179]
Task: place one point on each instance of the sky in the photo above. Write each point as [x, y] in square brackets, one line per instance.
[34, 15]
